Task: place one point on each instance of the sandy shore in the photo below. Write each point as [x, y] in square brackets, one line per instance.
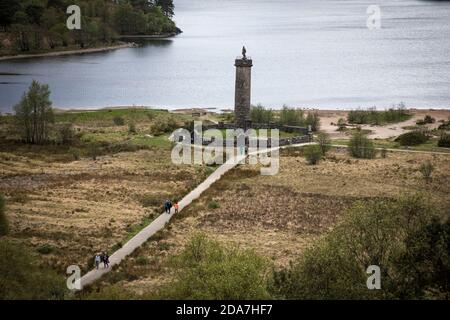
[68, 52]
[329, 118]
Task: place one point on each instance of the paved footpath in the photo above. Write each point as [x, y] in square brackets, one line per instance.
[160, 222]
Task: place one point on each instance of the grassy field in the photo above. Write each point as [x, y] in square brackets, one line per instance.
[66, 206]
[280, 216]
[430, 145]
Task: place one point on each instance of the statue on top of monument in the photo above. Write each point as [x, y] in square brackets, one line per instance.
[244, 52]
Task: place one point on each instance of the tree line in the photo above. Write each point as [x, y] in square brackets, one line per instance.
[33, 25]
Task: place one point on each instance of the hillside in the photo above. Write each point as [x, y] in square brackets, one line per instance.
[40, 26]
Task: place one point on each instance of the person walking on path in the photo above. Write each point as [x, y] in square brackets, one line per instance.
[167, 206]
[97, 260]
[170, 206]
[105, 259]
[176, 206]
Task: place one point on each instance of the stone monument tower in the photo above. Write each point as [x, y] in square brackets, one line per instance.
[243, 91]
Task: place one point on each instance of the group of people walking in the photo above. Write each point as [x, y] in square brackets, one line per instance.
[168, 206]
[101, 258]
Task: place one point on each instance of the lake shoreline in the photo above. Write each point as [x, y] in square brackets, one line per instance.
[68, 52]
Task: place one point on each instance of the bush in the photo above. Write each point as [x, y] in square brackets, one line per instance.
[372, 233]
[292, 117]
[313, 120]
[383, 153]
[259, 114]
[426, 169]
[65, 133]
[45, 249]
[4, 227]
[361, 147]
[313, 154]
[323, 139]
[341, 124]
[213, 205]
[163, 125]
[412, 138]
[23, 278]
[444, 140]
[132, 128]
[428, 251]
[206, 270]
[119, 121]
[372, 116]
[429, 119]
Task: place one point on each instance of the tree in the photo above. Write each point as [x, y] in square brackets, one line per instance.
[361, 147]
[323, 139]
[167, 7]
[313, 120]
[8, 9]
[313, 154]
[291, 117]
[34, 114]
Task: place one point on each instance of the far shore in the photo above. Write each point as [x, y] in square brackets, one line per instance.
[68, 52]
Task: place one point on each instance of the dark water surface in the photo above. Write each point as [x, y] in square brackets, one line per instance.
[306, 53]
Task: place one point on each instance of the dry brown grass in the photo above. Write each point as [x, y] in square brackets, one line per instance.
[84, 206]
[279, 216]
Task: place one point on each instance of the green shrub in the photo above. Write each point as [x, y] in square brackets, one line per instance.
[23, 278]
[4, 227]
[372, 233]
[142, 261]
[213, 205]
[313, 120]
[132, 128]
[260, 114]
[323, 139]
[444, 140]
[119, 121]
[206, 270]
[163, 125]
[429, 119]
[426, 169]
[313, 154]
[66, 133]
[292, 117]
[412, 138]
[427, 251]
[45, 249]
[341, 124]
[361, 147]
